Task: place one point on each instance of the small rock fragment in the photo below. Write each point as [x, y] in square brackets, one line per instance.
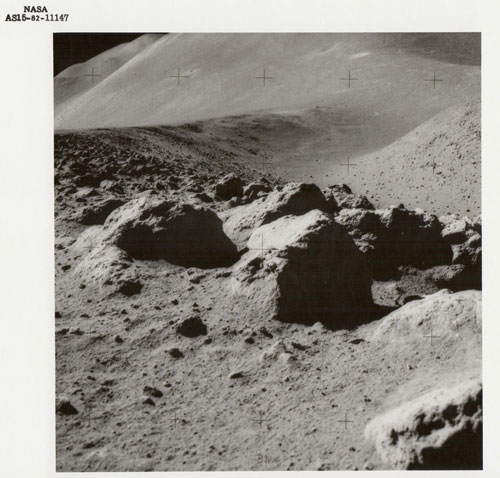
[175, 352]
[152, 392]
[192, 327]
[64, 407]
[148, 401]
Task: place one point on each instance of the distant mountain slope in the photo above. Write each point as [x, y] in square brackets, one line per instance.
[316, 146]
[76, 79]
[436, 167]
[306, 71]
[293, 147]
[306, 124]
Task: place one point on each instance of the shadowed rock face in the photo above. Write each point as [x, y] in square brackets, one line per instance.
[229, 186]
[98, 213]
[441, 430]
[396, 236]
[305, 269]
[464, 236]
[340, 196]
[150, 227]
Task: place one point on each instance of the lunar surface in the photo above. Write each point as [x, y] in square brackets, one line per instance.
[268, 254]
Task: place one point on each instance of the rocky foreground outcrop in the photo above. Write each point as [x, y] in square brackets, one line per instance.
[152, 227]
[389, 238]
[304, 269]
[442, 427]
[440, 430]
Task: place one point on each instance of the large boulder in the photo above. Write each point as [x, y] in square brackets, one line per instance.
[229, 186]
[440, 430]
[293, 198]
[448, 322]
[468, 253]
[340, 196]
[458, 229]
[305, 269]
[464, 236]
[414, 237]
[151, 227]
[395, 237]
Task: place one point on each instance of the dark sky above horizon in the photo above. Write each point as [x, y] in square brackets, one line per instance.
[71, 48]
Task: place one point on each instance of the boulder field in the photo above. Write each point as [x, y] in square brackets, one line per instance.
[153, 227]
[265, 280]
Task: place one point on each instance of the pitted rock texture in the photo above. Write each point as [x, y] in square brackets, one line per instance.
[441, 430]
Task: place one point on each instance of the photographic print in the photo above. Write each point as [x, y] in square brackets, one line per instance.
[267, 251]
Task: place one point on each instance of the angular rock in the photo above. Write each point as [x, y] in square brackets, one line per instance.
[192, 327]
[275, 353]
[175, 353]
[152, 392]
[304, 269]
[64, 407]
[150, 227]
[395, 237]
[468, 253]
[414, 237]
[455, 228]
[254, 190]
[292, 199]
[464, 236]
[440, 430]
[87, 180]
[229, 186]
[340, 196]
